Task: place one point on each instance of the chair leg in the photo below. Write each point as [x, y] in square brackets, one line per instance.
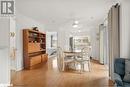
[81, 68]
[74, 66]
[63, 68]
[89, 65]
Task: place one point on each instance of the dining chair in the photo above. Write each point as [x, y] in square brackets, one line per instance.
[84, 58]
[63, 60]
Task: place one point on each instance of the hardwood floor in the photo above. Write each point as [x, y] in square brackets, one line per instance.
[47, 75]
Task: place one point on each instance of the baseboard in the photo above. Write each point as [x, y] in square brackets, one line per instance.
[95, 58]
[20, 68]
[13, 68]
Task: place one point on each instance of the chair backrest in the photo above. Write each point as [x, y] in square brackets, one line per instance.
[86, 52]
[60, 58]
[119, 66]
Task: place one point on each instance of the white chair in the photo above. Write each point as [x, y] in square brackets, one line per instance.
[63, 60]
[84, 58]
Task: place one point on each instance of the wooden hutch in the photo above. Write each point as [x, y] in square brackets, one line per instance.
[34, 48]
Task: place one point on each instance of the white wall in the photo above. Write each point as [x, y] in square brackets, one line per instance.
[125, 29]
[23, 22]
[4, 51]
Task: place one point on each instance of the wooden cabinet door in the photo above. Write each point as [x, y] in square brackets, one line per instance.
[35, 60]
[44, 57]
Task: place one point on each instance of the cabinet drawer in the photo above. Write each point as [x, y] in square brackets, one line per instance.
[44, 57]
[35, 60]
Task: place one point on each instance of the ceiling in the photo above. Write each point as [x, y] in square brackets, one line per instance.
[56, 13]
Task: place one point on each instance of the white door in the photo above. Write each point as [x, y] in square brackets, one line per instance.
[12, 44]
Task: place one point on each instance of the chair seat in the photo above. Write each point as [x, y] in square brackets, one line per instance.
[82, 59]
[68, 59]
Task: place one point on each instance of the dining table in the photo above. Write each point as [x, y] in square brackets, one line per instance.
[75, 55]
[72, 55]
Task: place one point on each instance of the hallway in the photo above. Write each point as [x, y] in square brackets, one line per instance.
[48, 75]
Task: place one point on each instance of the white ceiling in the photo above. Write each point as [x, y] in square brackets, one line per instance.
[55, 13]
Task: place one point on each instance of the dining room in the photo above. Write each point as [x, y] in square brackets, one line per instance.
[79, 53]
[73, 66]
[64, 43]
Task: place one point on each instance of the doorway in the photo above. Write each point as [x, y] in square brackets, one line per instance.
[12, 47]
[104, 46]
[51, 40]
[104, 55]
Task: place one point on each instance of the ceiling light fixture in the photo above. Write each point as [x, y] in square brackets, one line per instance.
[75, 24]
